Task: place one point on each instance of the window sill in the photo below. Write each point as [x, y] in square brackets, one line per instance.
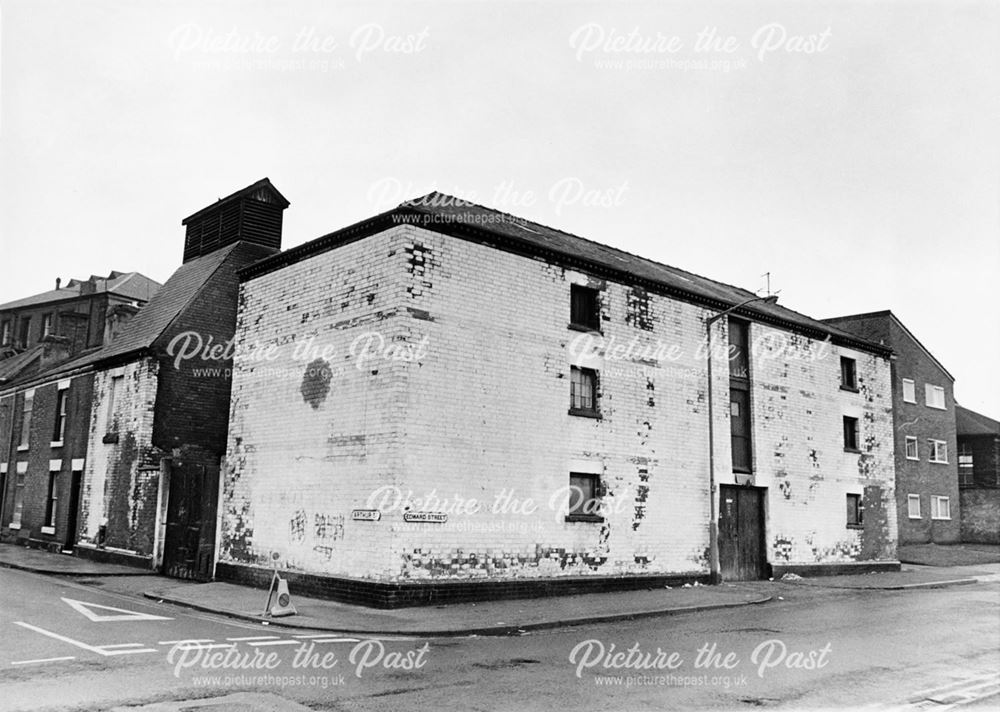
[583, 413]
[850, 389]
[852, 450]
[741, 471]
[48, 530]
[13, 526]
[913, 459]
[938, 462]
[936, 407]
[915, 518]
[584, 328]
[855, 526]
[591, 518]
[56, 443]
[22, 448]
[940, 519]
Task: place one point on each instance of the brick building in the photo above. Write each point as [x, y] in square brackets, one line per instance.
[135, 477]
[160, 409]
[978, 476]
[61, 323]
[923, 403]
[45, 399]
[445, 402]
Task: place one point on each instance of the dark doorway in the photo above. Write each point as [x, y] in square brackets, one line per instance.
[74, 507]
[189, 540]
[742, 555]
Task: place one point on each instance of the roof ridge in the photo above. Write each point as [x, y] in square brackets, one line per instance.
[585, 239]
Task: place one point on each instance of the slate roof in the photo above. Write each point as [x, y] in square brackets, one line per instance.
[12, 366]
[969, 422]
[460, 218]
[132, 285]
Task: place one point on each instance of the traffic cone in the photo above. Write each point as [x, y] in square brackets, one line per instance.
[283, 605]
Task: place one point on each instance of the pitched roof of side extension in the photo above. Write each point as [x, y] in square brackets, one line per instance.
[864, 325]
[459, 218]
[131, 285]
[969, 422]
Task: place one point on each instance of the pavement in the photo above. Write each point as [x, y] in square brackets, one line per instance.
[950, 554]
[489, 618]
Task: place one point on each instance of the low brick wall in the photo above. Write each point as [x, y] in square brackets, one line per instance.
[402, 595]
[105, 556]
[980, 509]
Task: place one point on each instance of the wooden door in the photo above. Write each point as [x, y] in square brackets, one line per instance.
[742, 554]
[189, 541]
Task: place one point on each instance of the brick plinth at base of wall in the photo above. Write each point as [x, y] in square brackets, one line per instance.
[402, 595]
[104, 556]
[835, 569]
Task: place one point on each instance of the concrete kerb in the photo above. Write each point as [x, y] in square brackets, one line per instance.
[497, 631]
[63, 572]
[888, 587]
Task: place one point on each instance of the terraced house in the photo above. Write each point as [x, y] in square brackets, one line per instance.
[446, 402]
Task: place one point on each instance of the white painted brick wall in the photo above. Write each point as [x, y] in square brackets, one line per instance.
[485, 412]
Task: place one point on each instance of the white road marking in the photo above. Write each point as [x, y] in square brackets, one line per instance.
[186, 640]
[313, 635]
[276, 642]
[253, 637]
[99, 649]
[335, 640]
[43, 660]
[120, 613]
[209, 646]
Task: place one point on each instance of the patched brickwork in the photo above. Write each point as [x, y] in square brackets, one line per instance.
[465, 413]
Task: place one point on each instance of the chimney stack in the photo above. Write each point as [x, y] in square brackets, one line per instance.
[58, 282]
[253, 215]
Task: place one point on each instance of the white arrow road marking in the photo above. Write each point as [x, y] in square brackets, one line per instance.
[99, 649]
[43, 660]
[121, 613]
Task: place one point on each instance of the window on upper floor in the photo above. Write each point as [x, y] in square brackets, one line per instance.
[583, 392]
[26, 408]
[114, 393]
[24, 331]
[848, 374]
[966, 466]
[585, 308]
[5, 332]
[46, 324]
[909, 391]
[938, 451]
[913, 506]
[851, 440]
[855, 510]
[739, 349]
[935, 396]
[911, 448]
[584, 497]
[940, 507]
[59, 427]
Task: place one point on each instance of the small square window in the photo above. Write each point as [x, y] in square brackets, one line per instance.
[913, 506]
[935, 396]
[940, 507]
[911, 448]
[848, 374]
[909, 391]
[855, 510]
[851, 434]
[585, 310]
[584, 497]
[583, 392]
[939, 451]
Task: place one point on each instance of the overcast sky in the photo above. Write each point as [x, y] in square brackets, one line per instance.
[849, 149]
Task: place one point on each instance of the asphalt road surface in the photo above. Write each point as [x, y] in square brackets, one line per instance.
[67, 645]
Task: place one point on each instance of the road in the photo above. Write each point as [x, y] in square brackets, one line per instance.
[67, 645]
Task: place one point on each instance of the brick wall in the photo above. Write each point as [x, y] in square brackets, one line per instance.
[922, 477]
[121, 476]
[981, 515]
[481, 413]
[42, 457]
